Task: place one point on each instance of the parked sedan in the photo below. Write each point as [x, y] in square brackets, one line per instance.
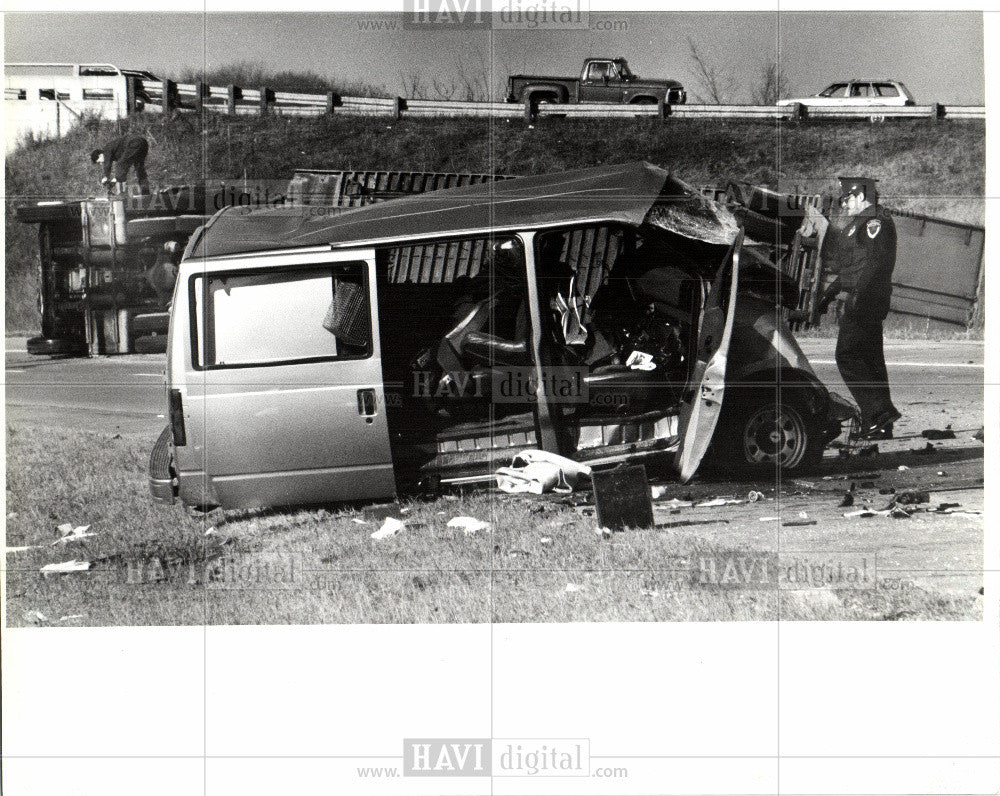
[857, 93]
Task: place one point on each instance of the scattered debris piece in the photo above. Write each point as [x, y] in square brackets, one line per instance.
[657, 492]
[928, 448]
[545, 540]
[650, 593]
[35, 617]
[685, 523]
[847, 501]
[769, 519]
[805, 484]
[210, 531]
[21, 549]
[390, 527]
[602, 532]
[359, 520]
[719, 502]
[946, 506]
[887, 490]
[72, 616]
[574, 587]
[796, 523]
[911, 497]
[980, 435]
[942, 472]
[938, 433]
[469, 525]
[803, 515]
[900, 513]
[66, 566]
[868, 451]
[622, 497]
[674, 503]
[860, 513]
[902, 468]
[70, 534]
[536, 472]
[754, 496]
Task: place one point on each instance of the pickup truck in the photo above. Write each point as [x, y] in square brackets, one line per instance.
[606, 80]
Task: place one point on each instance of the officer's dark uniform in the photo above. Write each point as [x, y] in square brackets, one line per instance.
[122, 154]
[862, 256]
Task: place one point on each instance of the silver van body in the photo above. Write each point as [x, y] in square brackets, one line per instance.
[317, 358]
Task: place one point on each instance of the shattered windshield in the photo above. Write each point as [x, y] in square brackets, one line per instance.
[695, 217]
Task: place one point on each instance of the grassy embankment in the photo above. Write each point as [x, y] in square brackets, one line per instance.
[937, 169]
[541, 562]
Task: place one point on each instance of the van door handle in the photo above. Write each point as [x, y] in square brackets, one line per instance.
[366, 402]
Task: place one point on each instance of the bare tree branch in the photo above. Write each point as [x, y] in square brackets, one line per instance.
[714, 84]
[772, 84]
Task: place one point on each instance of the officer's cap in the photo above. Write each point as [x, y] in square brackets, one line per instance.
[858, 185]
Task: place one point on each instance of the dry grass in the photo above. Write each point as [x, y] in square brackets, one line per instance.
[156, 566]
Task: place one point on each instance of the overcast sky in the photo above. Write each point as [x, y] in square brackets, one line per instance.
[939, 55]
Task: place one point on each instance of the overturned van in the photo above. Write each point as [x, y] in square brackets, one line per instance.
[609, 314]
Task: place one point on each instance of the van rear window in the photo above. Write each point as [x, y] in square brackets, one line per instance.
[285, 317]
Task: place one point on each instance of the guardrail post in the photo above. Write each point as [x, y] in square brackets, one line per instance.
[799, 111]
[233, 95]
[663, 108]
[168, 100]
[266, 97]
[202, 91]
[939, 111]
[529, 110]
[332, 101]
[398, 103]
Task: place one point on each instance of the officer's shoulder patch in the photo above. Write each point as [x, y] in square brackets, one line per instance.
[873, 228]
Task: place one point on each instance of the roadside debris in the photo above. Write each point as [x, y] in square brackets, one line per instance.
[848, 500]
[769, 519]
[574, 587]
[675, 503]
[902, 468]
[797, 523]
[622, 498]
[910, 497]
[65, 566]
[718, 502]
[602, 532]
[980, 435]
[536, 472]
[72, 616]
[938, 433]
[22, 548]
[68, 533]
[753, 496]
[390, 527]
[469, 525]
[35, 617]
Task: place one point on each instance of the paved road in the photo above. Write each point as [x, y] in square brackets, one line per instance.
[929, 380]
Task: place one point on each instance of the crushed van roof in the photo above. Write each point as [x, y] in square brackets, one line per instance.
[622, 193]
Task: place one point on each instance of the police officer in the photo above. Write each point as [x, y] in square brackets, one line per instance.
[861, 256]
[122, 154]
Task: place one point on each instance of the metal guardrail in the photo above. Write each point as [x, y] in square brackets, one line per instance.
[248, 101]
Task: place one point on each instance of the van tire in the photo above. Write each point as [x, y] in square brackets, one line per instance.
[759, 434]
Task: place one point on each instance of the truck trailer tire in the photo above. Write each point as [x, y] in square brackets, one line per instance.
[150, 344]
[47, 346]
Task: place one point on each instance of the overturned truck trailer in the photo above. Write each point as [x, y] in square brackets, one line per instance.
[107, 266]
